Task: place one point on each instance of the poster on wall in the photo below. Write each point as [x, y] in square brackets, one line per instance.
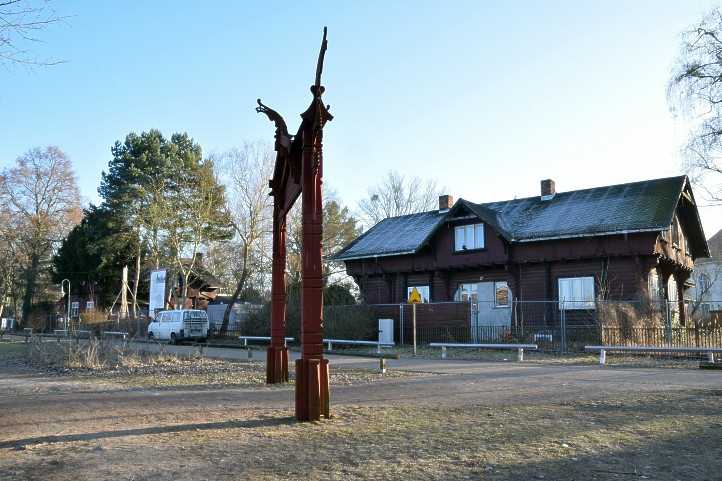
[421, 291]
[157, 292]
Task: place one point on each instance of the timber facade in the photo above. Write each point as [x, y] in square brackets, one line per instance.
[624, 242]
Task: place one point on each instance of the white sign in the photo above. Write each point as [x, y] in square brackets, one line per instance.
[157, 292]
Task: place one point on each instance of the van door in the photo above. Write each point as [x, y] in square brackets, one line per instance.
[164, 324]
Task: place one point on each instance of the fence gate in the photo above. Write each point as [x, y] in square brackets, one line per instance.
[489, 320]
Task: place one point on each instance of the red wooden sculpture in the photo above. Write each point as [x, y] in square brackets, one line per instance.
[298, 171]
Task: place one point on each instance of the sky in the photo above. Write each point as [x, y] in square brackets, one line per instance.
[486, 97]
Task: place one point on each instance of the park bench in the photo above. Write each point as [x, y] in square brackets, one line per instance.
[245, 339]
[518, 347]
[113, 334]
[349, 342]
[710, 351]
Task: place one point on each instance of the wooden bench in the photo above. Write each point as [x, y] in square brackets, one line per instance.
[350, 342]
[518, 347]
[638, 349]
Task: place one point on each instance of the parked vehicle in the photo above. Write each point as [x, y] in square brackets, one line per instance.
[178, 325]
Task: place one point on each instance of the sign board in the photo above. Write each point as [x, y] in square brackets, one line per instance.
[415, 296]
[157, 292]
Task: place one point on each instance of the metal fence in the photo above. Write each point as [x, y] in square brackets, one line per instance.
[553, 325]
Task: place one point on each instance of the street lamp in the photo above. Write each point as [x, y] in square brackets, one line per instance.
[62, 292]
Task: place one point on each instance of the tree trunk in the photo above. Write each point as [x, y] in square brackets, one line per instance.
[137, 281]
[234, 298]
[31, 277]
[239, 287]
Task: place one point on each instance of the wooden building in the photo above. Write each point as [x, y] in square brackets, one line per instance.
[570, 249]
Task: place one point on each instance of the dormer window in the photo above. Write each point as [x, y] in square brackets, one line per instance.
[468, 237]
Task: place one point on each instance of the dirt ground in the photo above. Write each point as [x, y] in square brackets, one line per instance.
[431, 421]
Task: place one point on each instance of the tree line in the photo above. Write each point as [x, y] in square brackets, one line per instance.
[163, 204]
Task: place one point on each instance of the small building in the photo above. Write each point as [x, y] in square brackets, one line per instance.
[562, 250]
[707, 291]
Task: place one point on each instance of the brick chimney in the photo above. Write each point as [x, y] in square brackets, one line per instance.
[445, 202]
[548, 189]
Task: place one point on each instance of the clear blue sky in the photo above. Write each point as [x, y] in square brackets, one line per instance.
[488, 98]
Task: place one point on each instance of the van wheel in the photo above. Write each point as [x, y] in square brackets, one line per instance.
[151, 337]
[173, 338]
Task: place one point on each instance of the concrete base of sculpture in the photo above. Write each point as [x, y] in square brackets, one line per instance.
[312, 389]
[276, 365]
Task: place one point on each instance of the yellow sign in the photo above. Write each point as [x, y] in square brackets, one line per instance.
[415, 296]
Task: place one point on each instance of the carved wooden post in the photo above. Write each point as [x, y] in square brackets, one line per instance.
[299, 170]
[277, 354]
[312, 369]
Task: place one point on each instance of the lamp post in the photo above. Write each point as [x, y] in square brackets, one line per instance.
[67, 319]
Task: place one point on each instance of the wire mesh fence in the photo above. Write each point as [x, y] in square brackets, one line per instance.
[552, 325]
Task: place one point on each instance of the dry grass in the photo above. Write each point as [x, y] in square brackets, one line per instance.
[117, 364]
[659, 436]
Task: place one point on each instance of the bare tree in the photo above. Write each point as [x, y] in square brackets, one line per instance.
[399, 195]
[41, 196]
[340, 228]
[20, 23]
[10, 267]
[246, 172]
[695, 90]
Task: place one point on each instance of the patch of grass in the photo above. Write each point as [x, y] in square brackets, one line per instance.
[12, 351]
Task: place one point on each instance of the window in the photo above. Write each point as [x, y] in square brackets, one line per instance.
[576, 293]
[672, 295]
[467, 293]
[74, 308]
[90, 306]
[653, 286]
[423, 290]
[467, 237]
[501, 294]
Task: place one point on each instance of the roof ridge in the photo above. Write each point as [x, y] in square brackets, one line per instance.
[584, 189]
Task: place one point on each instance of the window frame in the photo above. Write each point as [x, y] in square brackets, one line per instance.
[474, 230]
[577, 305]
[508, 295]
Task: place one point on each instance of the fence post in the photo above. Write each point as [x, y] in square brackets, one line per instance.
[563, 319]
[602, 357]
[520, 355]
[401, 323]
[443, 352]
[413, 317]
[669, 324]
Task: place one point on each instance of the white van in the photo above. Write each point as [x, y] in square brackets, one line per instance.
[174, 326]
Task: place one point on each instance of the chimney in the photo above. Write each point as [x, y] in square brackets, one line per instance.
[445, 203]
[547, 189]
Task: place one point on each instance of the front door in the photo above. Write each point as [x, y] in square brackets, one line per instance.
[493, 311]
